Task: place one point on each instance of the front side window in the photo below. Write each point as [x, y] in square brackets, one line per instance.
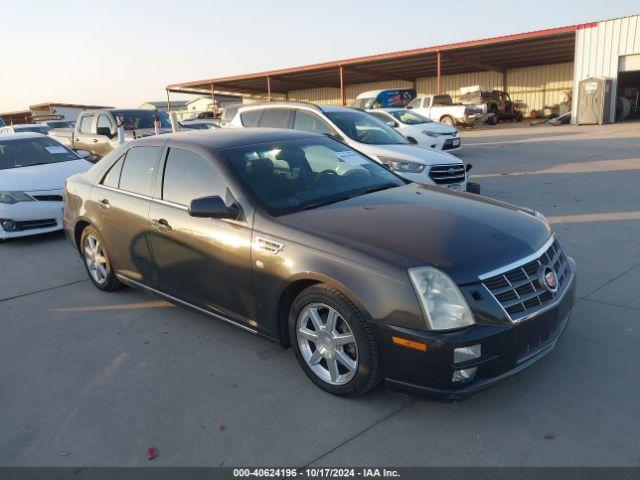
[308, 122]
[250, 118]
[138, 169]
[364, 128]
[295, 175]
[275, 118]
[188, 176]
[85, 124]
[27, 152]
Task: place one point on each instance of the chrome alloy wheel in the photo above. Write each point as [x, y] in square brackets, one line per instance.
[95, 259]
[327, 343]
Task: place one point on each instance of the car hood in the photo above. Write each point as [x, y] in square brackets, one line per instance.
[40, 177]
[410, 153]
[463, 235]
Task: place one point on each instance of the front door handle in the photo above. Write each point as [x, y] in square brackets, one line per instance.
[161, 224]
[104, 204]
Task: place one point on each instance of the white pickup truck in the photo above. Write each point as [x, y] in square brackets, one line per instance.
[440, 108]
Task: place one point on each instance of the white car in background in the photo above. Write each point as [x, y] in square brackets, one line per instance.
[363, 132]
[33, 169]
[26, 127]
[425, 132]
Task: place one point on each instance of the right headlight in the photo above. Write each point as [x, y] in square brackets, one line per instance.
[14, 197]
[442, 302]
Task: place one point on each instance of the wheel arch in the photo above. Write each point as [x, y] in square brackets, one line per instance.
[296, 285]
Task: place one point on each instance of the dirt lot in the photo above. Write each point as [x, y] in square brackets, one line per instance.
[91, 378]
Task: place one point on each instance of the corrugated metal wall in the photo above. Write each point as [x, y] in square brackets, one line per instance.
[536, 87]
[598, 50]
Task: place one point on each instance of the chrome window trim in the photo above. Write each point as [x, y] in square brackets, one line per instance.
[133, 194]
[521, 262]
[134, 283]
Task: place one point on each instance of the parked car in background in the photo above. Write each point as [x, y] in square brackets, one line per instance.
[420, 129]
[494, 102]
[298, 238]
[363, 132]
[384, 98]
[60, 123]
[198, 124]
[440, 108]
[27, 127]
[33, 169]
[96, 130]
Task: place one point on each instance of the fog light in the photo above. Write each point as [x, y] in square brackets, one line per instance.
[464, 354]
[8, 225]
[464, 375]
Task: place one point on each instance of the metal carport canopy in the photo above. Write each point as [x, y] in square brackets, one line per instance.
[542, 47]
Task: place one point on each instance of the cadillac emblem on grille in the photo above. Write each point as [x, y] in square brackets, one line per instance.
[548, 279]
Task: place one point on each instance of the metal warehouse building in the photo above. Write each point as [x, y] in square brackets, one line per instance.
[537, 69]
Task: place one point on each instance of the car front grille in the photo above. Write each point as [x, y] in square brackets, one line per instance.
[520, 290]
[446, 174]
[34, 224]
[48, 198]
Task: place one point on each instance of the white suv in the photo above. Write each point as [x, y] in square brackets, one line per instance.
[364, 133]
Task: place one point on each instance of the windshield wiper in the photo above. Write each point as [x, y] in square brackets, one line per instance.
[384, 186]
[337, 199]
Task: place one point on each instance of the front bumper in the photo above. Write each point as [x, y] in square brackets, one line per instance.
[31, 218]
[506, 350]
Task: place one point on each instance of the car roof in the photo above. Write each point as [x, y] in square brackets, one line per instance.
[21, 135]
[229, 137]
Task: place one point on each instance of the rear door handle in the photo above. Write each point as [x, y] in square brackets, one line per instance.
[161, 225]
[104, 204]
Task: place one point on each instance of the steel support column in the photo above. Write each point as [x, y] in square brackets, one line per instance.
[438, 81]
[343, 97]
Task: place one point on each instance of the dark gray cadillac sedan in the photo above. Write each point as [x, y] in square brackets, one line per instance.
[298, 238]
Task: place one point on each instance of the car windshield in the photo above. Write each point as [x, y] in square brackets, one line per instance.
[61, 124]
[408, 117]
[27, 152]
[364, 128]
[295, 175]
[33, 128]
[140, 119]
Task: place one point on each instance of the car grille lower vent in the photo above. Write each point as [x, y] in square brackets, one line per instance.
[520, 291]
[447, 174]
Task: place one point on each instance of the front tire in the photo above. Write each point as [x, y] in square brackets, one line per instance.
[96, 261]
[333, 342]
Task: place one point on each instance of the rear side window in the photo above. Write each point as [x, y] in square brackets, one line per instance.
[85, 124]
[112, 178]
[275, 118]
[250, 118]
[138, 169]
[308, 122]
[188, 176]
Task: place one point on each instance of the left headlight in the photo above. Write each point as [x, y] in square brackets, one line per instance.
[402, 166]
[442, 302]
[14, 197]
[432, 134]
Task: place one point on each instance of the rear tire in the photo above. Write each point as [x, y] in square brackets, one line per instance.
[96, 261]
[447, 120]
[333, 342]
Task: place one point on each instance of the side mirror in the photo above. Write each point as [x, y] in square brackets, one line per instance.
[212, 207]
[106, 131]
[83, 153]
[393, 124]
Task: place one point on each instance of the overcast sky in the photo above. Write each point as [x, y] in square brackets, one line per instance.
[123, 53]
